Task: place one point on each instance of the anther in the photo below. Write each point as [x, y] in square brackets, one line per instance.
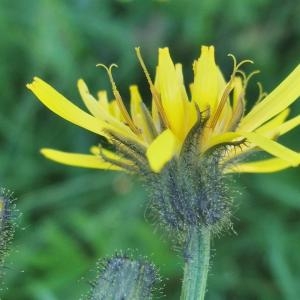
[261, 93]
[249, 77]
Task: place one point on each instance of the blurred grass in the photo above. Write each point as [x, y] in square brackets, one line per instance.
[71, 217]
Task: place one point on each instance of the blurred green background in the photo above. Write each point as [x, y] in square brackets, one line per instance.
[71, 217]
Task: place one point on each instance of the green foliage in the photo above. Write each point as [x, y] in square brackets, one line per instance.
[71, 217]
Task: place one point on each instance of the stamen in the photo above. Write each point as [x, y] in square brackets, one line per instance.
[245, 61]
[261, 93]
[246, 80]
[234, 60]
[154, 93]
[119, 100]
[228, 89]
[249, 77]
[243, 74]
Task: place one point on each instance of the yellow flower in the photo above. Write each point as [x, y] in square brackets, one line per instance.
[212, 113]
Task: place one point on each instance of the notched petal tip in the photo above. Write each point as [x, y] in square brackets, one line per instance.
[207, 53]
[207, 49]
[163, 50]
[34, 81]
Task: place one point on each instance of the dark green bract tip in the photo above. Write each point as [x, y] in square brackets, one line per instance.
[122, 278]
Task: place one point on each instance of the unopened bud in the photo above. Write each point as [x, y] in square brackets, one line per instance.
[123, 278]
[6, 224]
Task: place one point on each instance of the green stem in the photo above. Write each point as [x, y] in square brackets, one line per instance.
[196, 267]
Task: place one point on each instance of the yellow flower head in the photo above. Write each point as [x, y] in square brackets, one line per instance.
[208, 117]
[184, 144]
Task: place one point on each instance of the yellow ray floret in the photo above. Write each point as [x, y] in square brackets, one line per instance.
[170, 88]
[64, 108]
[264, 166]
[278, 100]
[142, 137]
[208, 80]
[78, 159]
[274, 148]
[162, 150]
[98, 111]
[273, 124]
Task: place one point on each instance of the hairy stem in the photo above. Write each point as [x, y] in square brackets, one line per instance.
[197, 254]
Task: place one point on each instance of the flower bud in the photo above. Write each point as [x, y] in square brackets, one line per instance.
[121, 277]
[6, 224]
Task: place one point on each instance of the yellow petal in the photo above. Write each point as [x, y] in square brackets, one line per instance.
[170, 89]
[154, 109]
[280, 129]
[95, 150]
[238, 92]
[180, 78]
[98, 150]
[103, 99]
[138, 114]
[90, 102]
[273, 123]
[115, 111]
[162, 149]
[96, 108]
[224, 120]
[64, 108]
[264, 166]
[238, 104]
[220, 139]
[190, 116]
[273, 128]
[78, 160]
[208, 81]
[101, 112]
[288, 125]
[284, 95]
[272, 147]
[135, 100]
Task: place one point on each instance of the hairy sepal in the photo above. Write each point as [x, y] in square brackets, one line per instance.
[7, 226]
[123, 277]
[191, 190]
